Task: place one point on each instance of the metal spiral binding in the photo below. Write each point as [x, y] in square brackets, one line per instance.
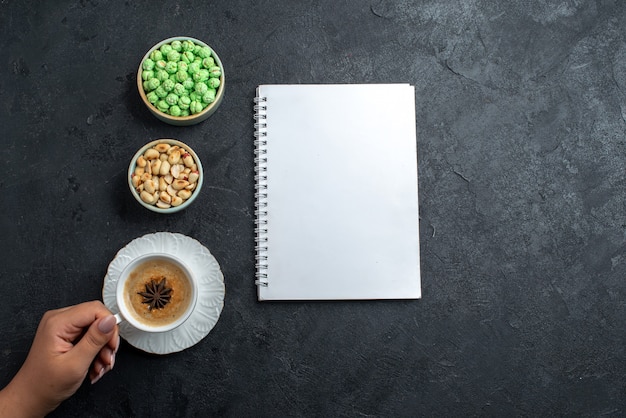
[260, 195]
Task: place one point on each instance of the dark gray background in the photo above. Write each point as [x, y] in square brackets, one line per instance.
[521, 115]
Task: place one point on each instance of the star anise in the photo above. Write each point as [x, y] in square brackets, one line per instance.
[157, 295]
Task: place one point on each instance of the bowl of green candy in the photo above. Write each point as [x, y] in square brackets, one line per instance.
[181, 80]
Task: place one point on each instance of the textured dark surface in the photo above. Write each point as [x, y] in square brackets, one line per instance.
[521, 116]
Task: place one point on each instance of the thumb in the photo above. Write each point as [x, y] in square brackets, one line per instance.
[96, 337]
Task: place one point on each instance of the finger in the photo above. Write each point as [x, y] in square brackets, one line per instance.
[94, 375]
[70, 323]
[104, 363]
[97, 336]
[106, 356]
[96, 369]
[84, 314]
[113, 345]
[105, 360]
[114, 342]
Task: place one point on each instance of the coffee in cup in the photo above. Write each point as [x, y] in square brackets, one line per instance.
[156, 292]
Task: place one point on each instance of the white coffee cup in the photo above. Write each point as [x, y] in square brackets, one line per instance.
[141, 271]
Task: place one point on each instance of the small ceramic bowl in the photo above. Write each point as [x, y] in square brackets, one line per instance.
[183, 120]
[173, 181]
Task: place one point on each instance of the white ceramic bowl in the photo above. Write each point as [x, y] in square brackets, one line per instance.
[182, 120]
[153, 207]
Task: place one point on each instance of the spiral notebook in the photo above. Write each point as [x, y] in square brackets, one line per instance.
[336, 192]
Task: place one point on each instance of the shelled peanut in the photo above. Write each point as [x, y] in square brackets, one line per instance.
[165, 175]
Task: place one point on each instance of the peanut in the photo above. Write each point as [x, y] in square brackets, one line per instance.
[180, 184]
[184, 194]
[174, 157]
[165, 168]
[147, 197]
[161, 204]
[151, 154]
[165, 176]
[162, 147]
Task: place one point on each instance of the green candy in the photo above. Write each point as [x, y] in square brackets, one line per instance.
[201, 88]
[215, 72]
[209, 96]
[181, 76]
[174, 110]
[187, 57]
[156, 55]
[180, 90]
[151, 84]
[171, 99]
[173, 56]
[195, 107]
[165, 49]
[188, 84]
[214, 83]
[194, 67]
[177, 45]
[168, 85]
[152, 97]
[148, 64]
[187, 45]
[161, 92]
[147, 75]
[162, 75]
[208, 63]
[184, 112]
[162, 106]
[184, 102]
[183, 66]
[205, 52]
[202, 75]
[171, 67]
[160, 64]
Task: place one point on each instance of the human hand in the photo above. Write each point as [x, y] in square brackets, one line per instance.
[69, 343]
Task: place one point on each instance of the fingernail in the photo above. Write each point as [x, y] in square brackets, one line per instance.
[117, 347]
[112, 361]
[107, 324]
[95, 379]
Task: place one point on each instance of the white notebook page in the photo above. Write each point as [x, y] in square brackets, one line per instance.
[342, 199]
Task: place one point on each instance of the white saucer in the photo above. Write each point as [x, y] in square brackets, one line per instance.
[210, 298]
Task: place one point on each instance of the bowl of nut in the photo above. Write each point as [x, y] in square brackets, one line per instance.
[165, 175]
[181, 80]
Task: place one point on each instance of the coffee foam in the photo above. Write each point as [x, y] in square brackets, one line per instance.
[176, 279]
